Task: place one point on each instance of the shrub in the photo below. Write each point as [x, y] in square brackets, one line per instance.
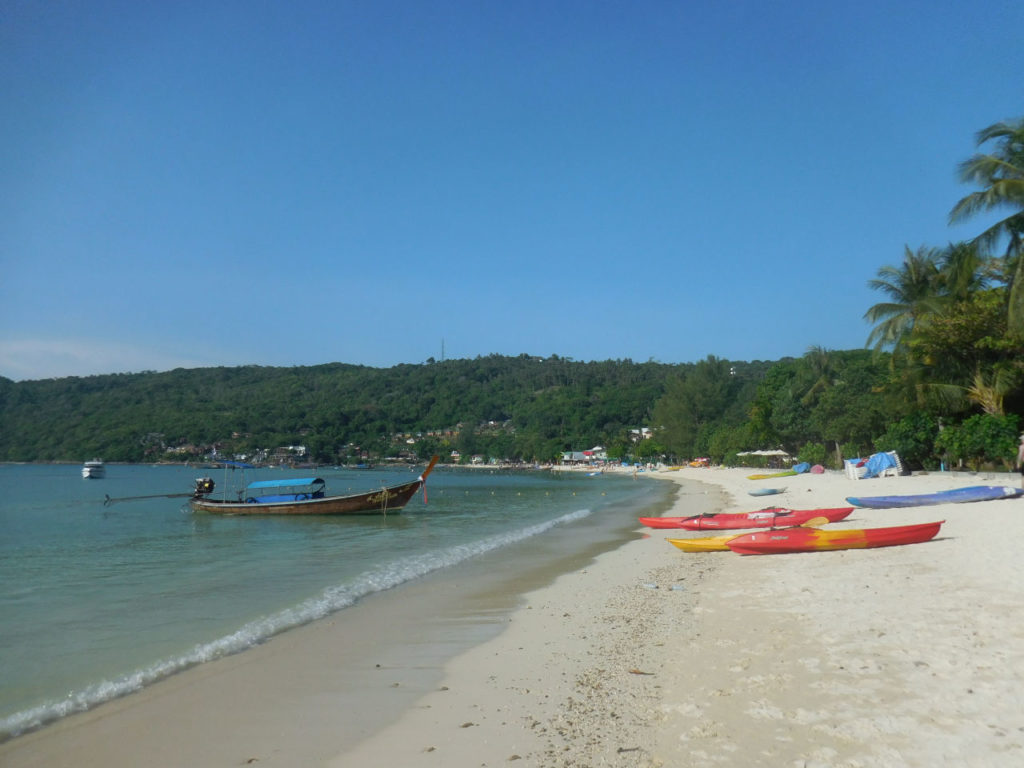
[852, 451]
[983, 438]
[913, 438]
[812, 453]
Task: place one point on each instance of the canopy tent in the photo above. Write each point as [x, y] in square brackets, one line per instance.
[777, 452]
[772, 457]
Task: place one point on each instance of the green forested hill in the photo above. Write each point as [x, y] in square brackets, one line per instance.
[511, 407]
[820, 407]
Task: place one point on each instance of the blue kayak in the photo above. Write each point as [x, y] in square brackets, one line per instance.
[956, 496]
[766, 491]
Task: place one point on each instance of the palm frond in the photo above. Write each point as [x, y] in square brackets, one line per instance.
[883, 310]
[983, 169]
[1000, 130]
[947, 396]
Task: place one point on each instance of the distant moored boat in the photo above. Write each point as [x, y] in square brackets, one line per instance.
[93, 469]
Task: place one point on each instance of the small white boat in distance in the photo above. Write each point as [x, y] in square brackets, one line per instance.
[94, 469]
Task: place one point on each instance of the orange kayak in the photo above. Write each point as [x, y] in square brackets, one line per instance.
[816, 539]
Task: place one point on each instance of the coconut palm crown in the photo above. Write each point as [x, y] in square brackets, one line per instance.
[914, 290]
[1000, 175]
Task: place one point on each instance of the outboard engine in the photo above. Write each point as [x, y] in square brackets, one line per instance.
[204, 486]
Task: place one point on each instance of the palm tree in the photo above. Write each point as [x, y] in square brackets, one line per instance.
[987, 391]
[964, 271]
[990, 391]
[914, 289]
[1001, 176]
[821, 364]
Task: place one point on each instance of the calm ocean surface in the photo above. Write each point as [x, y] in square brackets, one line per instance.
[100, 601]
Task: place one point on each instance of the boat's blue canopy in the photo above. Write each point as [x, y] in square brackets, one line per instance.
[288, 483]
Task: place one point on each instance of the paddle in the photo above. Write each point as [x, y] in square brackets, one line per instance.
[108, 501]
[814, 522]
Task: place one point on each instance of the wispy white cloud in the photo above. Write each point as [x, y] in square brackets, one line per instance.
[22, 359]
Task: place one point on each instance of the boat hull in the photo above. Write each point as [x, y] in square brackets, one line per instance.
[380, 501]
[794, 540]
[956, 496]
[773, 517]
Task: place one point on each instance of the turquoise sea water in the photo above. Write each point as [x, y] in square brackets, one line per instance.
[98, 601]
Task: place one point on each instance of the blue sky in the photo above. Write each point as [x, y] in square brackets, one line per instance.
[227, 183]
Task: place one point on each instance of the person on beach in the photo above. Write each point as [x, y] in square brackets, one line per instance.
[1020, 459]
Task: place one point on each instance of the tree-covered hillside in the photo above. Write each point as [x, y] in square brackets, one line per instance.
[509, 407]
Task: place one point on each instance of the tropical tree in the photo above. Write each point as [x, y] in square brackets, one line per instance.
[825, 397]
[913, 438]
[694, 402]
[963, 270]
[983, 438]
[1000, 174]
[821, 364]
[914, 289]
[989, 392]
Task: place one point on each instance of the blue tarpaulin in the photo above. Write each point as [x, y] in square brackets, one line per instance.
[878, 463]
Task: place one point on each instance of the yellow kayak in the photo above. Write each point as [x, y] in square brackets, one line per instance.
[787, 473]
[721, 543]
[705, 544]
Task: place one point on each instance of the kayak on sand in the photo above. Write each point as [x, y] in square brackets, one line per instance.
[815, 539]
[706, 544]
[721, 543]
[956, 496]
[773, 517]
[767, 491]
[797, 470]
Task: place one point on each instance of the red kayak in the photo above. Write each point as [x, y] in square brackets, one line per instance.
[815, 539]
[773, 517]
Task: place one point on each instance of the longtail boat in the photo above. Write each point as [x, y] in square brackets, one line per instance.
[815, 539]
[305, 496]
[772, 517]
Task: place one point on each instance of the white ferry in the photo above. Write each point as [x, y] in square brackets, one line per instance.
[94, 469]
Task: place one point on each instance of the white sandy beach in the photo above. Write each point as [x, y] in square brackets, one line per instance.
[887, 657]
[902, 656]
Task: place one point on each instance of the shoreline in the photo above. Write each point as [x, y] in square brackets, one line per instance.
[652, 657]
[336, 679]
[642, 656]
